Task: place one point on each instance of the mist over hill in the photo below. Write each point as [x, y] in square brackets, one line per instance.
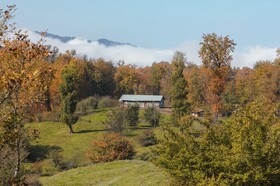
[143, 56]
[102, 41]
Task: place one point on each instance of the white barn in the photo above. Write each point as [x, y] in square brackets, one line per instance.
[143, 100]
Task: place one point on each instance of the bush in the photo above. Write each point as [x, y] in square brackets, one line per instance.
[87, 105]
[110, 147]
[56, 158]
[107, 102]
[147, 138]
[132, 115]
[152, 116]
[33, 180]
[53, 116]
[115, 123]
[146, 155]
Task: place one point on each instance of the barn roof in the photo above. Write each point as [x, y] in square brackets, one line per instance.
[150, 98]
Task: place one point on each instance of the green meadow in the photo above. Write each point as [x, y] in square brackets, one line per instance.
[55, 136]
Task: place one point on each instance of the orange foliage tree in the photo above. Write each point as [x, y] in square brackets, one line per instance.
[126, 79]
[111, 147]
[215, 53]
[24, 80]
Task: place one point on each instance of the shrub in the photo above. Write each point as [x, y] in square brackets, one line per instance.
[33, 180]
[110, 147]
[152, 116]
[147, 138]
[132, 115]
[53, 116]
[56, 158]
[115, 122]
[146, 155]
[106, 102]
[87, 105]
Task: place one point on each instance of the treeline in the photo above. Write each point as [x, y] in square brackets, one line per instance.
[214, 88]
[98, 77]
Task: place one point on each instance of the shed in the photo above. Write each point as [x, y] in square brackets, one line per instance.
[142, 100]
[197, 113]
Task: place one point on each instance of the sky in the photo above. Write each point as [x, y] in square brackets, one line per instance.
[157, 27]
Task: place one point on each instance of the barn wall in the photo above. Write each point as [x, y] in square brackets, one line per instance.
[144, 104]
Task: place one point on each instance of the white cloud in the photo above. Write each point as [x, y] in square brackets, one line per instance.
[132, 55]
[146, 56]
[191, 49]
[250, 55]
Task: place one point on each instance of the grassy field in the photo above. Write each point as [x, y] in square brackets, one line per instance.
[129, 172]
[55, 136]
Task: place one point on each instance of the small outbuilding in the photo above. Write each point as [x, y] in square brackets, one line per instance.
[142, 100]
[197, 113]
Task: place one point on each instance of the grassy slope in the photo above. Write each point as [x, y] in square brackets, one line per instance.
[55, 135]
[133, 172]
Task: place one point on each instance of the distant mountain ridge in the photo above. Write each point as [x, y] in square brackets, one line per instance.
[65, 39]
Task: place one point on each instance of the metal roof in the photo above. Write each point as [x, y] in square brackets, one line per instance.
[151, 98]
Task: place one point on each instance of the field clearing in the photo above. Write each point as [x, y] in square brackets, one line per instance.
[127, 172]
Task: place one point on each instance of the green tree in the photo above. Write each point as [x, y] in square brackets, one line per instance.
[68, 93]
[104, 77]
[196, 87]
[116, 120]
[152, 116]
[179, 103]
[241, 151]
[255, 153]
[132, 115]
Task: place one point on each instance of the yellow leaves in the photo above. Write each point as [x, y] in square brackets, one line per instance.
[24, 74]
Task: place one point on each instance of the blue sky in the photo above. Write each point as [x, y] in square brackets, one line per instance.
[160, 24]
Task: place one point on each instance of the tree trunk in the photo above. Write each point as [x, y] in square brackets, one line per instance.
[18, 163]
[71, 129]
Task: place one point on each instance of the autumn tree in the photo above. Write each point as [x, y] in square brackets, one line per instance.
[144, 81]
[110, 147]
[244, 85]
[23, 83]
[126, 79]
[156, 76]
[160, 79]
[154, 80]
[180, 105]
[266, 81]
[104, 77]
[196, 82]
[215, 53]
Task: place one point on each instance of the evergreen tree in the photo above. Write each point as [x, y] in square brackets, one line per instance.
[132, 115]
[69, 96]
[179, 103]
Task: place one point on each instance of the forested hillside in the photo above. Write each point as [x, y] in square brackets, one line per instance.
[47, 97]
